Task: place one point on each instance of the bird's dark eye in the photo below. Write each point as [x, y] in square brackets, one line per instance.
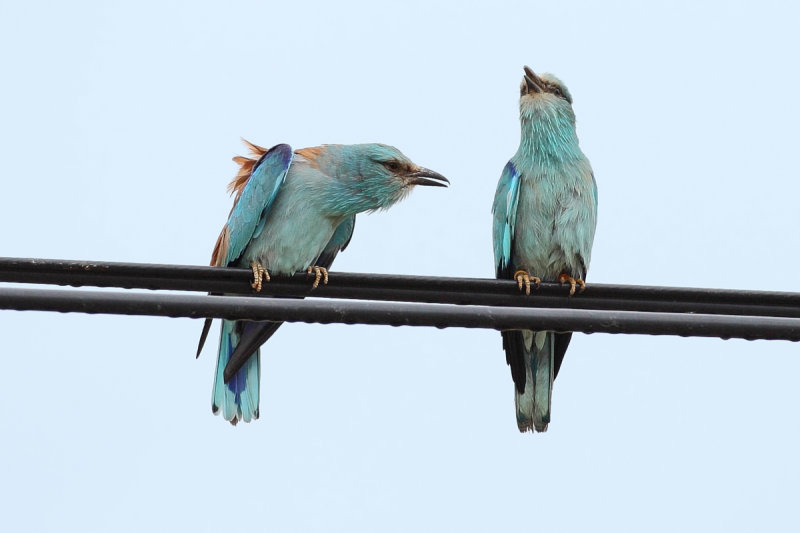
[392, 166]
[556, 91]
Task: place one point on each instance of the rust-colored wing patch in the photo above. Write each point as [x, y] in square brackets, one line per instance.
[246, 165]
[236, 186]
[311, 155]
[221, 248]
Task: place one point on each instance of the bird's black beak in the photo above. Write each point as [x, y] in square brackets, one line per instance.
[532, 82]
[426, 176]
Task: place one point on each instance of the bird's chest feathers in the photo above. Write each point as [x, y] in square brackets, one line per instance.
[295, 233]
[555, 219]
[289, 248]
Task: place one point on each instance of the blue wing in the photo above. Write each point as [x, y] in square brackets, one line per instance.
[249, 215]
[339, 241]
[250, 211]
[505, 215]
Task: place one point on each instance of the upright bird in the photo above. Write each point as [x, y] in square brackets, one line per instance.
[544, 214]
[292, 212]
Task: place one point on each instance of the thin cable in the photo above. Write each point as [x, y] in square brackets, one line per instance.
[430, 289]
[400, 314]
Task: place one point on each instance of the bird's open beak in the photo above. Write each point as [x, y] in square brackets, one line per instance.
[533, 82]
[426, 176]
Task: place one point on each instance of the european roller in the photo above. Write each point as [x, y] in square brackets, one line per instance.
[293, 212]
[544, 214]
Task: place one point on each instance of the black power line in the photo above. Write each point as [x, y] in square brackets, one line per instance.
[445, 301]
[400, 314]
[430, 289]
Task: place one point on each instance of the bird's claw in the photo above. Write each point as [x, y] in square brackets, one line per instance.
[523, 278]
[573, 283]
[319, 273]
[259, 273]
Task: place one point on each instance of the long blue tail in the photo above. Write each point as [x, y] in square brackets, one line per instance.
[533, 361]
[238, 399]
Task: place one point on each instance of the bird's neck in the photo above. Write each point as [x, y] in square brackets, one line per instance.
[346, 195]
[548, 134]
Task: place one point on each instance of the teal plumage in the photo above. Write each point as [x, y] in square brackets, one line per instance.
[544, 218]
[292, 211]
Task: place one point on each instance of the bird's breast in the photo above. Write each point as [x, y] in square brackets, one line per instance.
[289, 248]
[555, 222]
[296, 230]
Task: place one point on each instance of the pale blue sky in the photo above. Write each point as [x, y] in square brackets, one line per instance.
[117, 126]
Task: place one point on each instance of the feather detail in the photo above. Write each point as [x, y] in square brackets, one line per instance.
[221, 247]
[236, 186]
[246, 166]
[311, 155]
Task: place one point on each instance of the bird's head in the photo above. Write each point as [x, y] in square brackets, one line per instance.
[543, 86]
[543, 92]
[376, 176]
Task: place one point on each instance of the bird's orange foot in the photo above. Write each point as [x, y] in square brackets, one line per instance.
[319, 273]
[259, 273]
[573, 282]
[525, 279]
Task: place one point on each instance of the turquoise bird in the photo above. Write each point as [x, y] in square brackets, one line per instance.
[544, 218]
[293, 212]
